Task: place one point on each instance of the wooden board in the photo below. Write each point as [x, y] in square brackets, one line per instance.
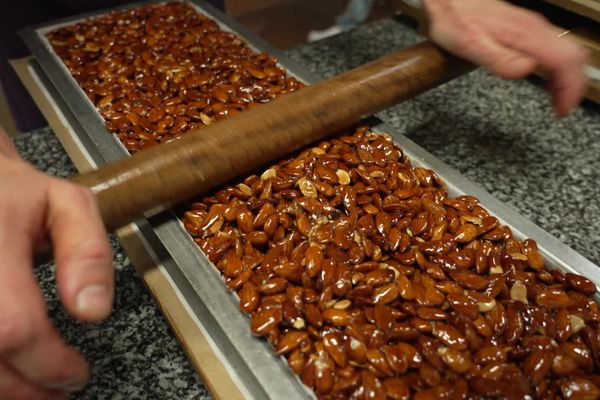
[588, 38]
[416, 13]
[586, 8]
[195, 342]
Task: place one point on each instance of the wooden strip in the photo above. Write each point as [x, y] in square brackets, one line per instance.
[586, 8]
[195, 344]
[416, 13]
[190, 335]
[7, 122]
[589, 38]
[59, 125]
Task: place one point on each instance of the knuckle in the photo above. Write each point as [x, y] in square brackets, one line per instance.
[14, 390]
[528, 17]
[16, 331]
[92, 251]
[78, 194]
[470, 40]
[535, 18]
[575, 54]
[582, 54]
[96, 250]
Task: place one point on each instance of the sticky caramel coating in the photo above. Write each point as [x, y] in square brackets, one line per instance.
[158, 71]
[374, 283]
[353, 264]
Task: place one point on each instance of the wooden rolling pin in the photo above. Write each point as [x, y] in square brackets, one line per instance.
[163, 176]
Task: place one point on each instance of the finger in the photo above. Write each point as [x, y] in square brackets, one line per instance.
[14, 387]
[481, 48]
[563, 58]
[568, 87]
[47, 362]
[474, 43]
[28, 341]
[500, 60]
[84, 271]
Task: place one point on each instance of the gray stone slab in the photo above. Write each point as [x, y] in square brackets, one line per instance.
[499, 134]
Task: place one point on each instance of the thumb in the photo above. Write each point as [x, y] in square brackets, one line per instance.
[84, 271]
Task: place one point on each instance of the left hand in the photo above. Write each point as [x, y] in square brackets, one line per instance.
[36, 209]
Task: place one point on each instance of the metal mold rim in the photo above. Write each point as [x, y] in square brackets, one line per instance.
[250, 359]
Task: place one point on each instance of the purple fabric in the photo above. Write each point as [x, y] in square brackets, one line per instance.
[17, 15]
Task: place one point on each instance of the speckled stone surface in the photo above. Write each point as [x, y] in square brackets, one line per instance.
[134, 355]
[499, 134]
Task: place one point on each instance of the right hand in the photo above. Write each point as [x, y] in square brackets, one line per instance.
[511, 42]
[36, 210]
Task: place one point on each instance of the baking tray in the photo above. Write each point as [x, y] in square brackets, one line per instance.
[250, 361]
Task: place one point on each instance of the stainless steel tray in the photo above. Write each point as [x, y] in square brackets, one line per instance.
[250, 360]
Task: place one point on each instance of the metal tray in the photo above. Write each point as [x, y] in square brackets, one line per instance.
[259, 374]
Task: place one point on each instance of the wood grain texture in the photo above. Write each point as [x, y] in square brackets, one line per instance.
[165, 175]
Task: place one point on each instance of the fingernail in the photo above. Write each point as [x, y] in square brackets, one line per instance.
[94, 299]
[74, 386]
[67, 386]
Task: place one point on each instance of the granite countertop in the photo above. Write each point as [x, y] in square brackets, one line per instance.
[500, 134]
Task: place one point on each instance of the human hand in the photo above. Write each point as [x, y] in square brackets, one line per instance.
[36, 209]
[510, 42]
